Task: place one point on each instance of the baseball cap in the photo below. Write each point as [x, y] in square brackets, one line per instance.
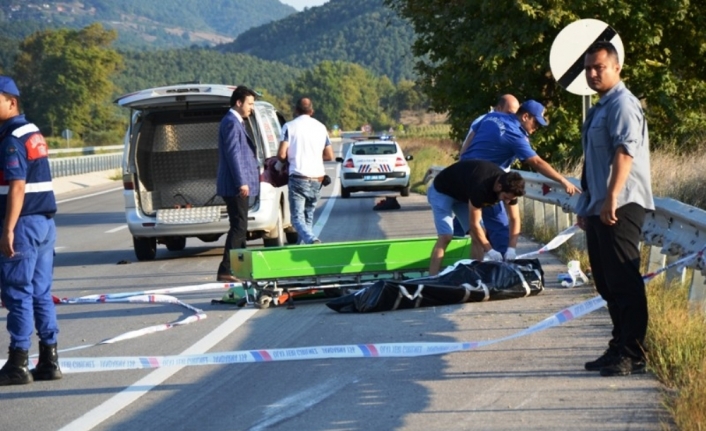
[536, 109]
[8, 86]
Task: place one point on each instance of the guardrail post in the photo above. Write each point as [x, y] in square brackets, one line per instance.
[697, 292]
[656, 259]
[674, 274]
[550, 217]
[538, 211]
[563, 220]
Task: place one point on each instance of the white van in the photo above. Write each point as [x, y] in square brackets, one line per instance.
[170, 163]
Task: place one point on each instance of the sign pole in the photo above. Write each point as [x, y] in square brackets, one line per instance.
[586, 107]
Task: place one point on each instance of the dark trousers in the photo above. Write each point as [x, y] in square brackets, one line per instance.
[615, 263]
[237, 208]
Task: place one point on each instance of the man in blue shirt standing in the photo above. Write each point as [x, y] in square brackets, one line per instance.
[238, 177]
[503, 138]
[27, 208]
[617, 194]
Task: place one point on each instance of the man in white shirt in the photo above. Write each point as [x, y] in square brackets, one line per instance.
[305, 145]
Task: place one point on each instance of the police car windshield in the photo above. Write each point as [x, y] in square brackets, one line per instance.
[374, 149]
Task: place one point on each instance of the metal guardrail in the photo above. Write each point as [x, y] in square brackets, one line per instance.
[65, 166]
[84, 150]
[674, 230]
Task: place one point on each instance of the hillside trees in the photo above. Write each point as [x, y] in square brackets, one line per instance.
[364, 32]
[65, 79]
[474, 50]
[344, 94]
[156, 68]
[142, 24]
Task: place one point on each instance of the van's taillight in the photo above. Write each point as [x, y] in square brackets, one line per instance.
[400, 162]
[349, 164]
[127, 182]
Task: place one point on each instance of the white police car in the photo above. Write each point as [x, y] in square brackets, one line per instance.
[374, 163]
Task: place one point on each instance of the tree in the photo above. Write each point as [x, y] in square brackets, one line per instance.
[343, 93]
[65, 79]
[407, 96]
[474, 50]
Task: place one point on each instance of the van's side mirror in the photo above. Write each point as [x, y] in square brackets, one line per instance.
[410, 157]
[339, 159]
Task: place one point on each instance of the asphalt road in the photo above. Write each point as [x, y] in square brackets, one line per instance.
[535, 382]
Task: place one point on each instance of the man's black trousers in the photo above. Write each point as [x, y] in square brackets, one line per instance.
[237, 208]
[615, 264]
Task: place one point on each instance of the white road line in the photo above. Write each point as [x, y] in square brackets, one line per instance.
[117, 229]
[295, 404]
[129, 395]
[88, 196]
[323, 217]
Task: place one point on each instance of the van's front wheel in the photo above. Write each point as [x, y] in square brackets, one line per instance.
[145, 248]
[176, 243]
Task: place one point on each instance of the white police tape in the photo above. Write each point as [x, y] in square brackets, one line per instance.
[558, 240]
[160, 296]
[382, 350]
[344, 351]
[148, 296]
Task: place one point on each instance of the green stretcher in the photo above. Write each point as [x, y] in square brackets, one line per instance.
[278, 272]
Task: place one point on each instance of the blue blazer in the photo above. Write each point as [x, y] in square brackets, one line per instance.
[237, 159]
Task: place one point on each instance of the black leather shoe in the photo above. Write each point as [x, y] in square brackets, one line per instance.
[609, 357]
[227, 278]
[624, 366]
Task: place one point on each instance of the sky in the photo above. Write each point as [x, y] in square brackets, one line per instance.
[301, 4]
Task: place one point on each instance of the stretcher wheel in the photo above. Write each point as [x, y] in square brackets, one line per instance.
[263, 301]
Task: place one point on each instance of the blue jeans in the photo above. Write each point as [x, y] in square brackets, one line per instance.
[303, 195]
[25, 282]
[444, 207]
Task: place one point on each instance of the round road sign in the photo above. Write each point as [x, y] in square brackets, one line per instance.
[569, 48]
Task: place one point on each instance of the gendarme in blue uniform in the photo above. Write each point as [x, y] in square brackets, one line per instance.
[26, 278]
[499, 138]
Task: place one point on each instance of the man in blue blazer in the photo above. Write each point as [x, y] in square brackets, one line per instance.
[238, 180]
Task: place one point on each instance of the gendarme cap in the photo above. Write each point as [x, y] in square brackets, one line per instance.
[535, 109]
[8, 86]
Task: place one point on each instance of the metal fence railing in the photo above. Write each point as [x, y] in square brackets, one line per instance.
[65, 166]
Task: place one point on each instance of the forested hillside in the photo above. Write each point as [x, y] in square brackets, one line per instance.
[357, 31]
[151, 69]
[144, 23]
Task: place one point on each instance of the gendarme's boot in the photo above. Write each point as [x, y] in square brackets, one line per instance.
[48, 365]
[16, 370]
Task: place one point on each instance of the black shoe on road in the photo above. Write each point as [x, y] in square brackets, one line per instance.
[624, 366]
[608, 358]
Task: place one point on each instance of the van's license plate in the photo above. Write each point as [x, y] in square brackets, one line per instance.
[373, 177]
